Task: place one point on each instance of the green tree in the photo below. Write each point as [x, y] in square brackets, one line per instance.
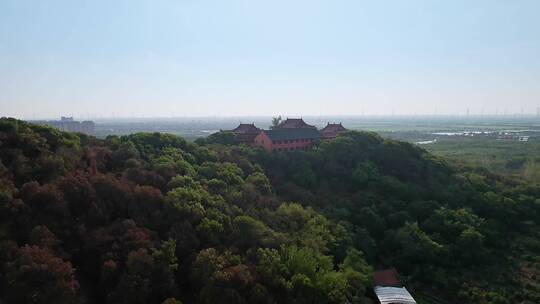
[185, 203]
[261, 182]
[165, 267]
[135, 283]
[275, 122]
[248, 232]
[222, 137]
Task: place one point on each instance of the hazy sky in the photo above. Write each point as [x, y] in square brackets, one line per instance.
[295, 57]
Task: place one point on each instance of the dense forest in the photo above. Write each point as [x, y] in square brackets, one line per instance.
[153, 218]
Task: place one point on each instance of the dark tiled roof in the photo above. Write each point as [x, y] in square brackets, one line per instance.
[291, 123]
[333, 128]
[286, 134]
[246, 128]
[386, 277]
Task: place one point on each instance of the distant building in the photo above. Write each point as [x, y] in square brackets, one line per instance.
[524, 138]
[332, 130]
[287, 139]
[294, 123]
[246, 133]
[68, 124]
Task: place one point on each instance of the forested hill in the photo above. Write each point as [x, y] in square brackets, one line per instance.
[152, 218]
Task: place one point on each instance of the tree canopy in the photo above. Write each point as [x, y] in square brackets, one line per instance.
[153, 218]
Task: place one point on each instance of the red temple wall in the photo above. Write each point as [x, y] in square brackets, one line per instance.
[282, 145]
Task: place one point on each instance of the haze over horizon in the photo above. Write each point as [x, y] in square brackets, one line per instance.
[241, 58]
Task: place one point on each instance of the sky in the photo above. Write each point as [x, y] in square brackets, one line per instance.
[172, 58]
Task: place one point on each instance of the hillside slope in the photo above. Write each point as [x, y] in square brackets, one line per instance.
[151, 218]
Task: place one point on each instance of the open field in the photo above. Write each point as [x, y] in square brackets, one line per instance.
[500, 156]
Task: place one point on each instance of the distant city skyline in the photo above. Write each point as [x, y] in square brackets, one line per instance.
[239, 58]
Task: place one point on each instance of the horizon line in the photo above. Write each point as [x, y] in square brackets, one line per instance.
[419, 115]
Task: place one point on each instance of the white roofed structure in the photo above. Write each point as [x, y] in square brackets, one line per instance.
[393, 295]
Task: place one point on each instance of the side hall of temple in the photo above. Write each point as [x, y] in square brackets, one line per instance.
[290, 135]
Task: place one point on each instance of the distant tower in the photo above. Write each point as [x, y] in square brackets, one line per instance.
[468, 112]
[538, 112]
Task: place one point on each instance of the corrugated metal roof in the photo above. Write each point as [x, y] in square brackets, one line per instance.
[285, 134]
[393, 295]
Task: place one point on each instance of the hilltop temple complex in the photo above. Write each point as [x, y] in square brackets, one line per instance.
[290, 135]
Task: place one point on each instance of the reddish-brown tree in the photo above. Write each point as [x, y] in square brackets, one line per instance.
[37, 276]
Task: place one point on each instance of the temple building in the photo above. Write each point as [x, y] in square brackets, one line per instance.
[290, 135]
[332, 130]
[246, 133]
[294, 123]
[287, 139]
